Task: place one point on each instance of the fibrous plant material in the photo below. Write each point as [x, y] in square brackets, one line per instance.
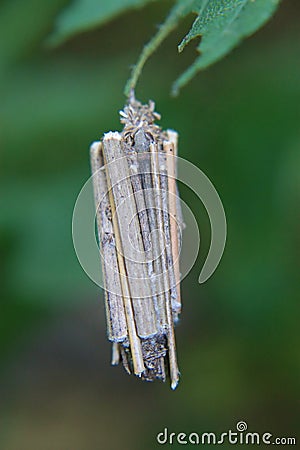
[139, 230]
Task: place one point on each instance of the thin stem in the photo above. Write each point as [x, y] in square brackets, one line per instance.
[177, 12]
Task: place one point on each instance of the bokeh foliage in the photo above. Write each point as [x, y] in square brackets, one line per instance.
[221, 24]
[239, 335]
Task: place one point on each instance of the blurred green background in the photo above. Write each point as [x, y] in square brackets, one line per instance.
[238, 340]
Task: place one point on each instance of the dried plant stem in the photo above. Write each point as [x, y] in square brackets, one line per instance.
[169, 149]
[115, 313]
[135, 344]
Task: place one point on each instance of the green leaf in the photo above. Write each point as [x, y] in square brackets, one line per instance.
[82, 15]
[222, 24]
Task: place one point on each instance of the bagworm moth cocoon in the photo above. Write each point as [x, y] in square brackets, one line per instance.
[139, 230]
